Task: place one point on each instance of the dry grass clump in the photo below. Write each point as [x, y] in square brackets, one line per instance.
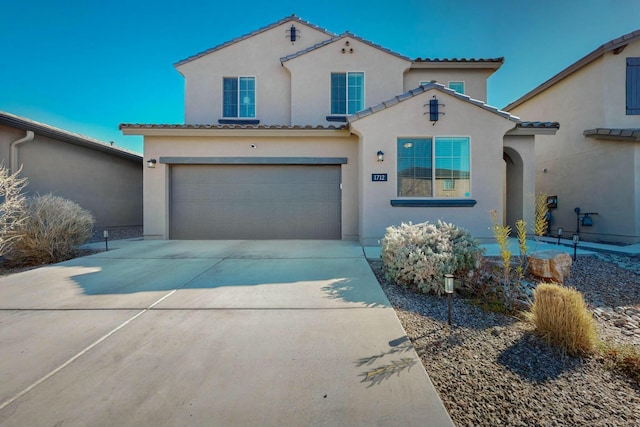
[625, 359]
[560, 315]
[50, 231]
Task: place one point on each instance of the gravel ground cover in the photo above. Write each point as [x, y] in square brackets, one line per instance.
[491, 369]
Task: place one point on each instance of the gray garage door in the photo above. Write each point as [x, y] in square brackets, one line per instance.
[255, 202]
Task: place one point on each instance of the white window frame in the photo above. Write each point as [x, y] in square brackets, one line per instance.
[255, 97]
[364, 92]
[464, 86]
[433, 168]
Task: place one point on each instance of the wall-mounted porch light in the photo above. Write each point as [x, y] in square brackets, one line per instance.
[151, 163]
[380, 155]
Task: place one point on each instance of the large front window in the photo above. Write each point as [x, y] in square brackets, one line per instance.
[239, 97]
[347, 92]
[434, 167]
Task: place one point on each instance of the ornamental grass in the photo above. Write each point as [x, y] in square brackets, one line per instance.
[561, 317]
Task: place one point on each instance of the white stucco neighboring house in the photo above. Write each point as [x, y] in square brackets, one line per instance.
[593, 163]
[294, 132]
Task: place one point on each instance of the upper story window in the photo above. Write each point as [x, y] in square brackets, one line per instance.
[347, 92]
[457, 86]
[239, 97]
[633, 86]
[434, 167]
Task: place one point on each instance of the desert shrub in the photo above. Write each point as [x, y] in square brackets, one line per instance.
[624, 359]
[561, 317]
[421, 254]
[50, 231]
[12, 207]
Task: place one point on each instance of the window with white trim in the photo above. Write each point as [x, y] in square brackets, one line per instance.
[239, 97]
[434, 167]
[457, 86]
[347, 93]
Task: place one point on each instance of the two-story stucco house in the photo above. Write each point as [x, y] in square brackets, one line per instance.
[593, 163]
[293, 132]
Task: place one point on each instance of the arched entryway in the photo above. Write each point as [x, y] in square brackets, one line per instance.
[513, 187]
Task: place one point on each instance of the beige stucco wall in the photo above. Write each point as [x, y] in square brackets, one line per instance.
[380, 132]
[596, 175]
[107, 185]
[238, 144]
[311, 77]
[258, 56]
[475, 79]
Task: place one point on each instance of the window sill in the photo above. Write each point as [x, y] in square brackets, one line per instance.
[342, 119]
[238, 121]
[413, 203]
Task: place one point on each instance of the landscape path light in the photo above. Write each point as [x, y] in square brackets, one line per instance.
[448, 288]
[576, 239]
[560, 229]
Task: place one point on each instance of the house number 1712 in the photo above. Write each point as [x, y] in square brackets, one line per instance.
[378, 177]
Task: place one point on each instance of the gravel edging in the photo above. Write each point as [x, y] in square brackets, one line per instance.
[492, 370]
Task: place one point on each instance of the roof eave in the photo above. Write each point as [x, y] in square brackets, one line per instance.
[65, 136]
[487, 65]
[233, 130]
[615, 45]
[627, 135]
[251, 34]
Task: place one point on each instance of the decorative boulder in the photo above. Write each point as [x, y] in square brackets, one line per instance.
[550, 264]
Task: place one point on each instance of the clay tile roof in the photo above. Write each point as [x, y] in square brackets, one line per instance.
[251, 34]
[421, 89]
[337, 38]
[227, 126]
[622, 134]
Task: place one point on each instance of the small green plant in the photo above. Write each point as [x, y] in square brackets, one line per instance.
[624, 359]
[421, 254]
[511, 279]
[561, 317]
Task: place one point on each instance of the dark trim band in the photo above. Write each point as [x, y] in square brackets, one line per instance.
[253, 160]
[457, 203]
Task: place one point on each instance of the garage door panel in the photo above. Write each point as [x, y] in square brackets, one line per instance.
[255, 202]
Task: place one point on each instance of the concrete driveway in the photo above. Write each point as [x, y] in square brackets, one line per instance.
[215, 333]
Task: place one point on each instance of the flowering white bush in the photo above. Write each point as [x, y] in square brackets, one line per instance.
[421, 254]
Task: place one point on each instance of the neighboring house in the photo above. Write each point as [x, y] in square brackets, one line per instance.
[103, 179]
[593, 163]
[293, 132]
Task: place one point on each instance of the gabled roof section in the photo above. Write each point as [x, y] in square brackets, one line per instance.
[43, 129]
[292, 18]
[424, 88]
[616, 46]
[340, 37]
[521, 128]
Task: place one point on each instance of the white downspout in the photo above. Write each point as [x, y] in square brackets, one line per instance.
[13, 151]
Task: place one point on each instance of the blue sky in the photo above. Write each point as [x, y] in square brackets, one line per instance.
[88, 65]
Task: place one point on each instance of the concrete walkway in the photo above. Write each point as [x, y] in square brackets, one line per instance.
[172, 333]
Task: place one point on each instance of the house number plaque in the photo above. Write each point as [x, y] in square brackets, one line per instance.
[379, 177]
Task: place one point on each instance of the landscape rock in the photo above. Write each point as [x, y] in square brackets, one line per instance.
[550, 264]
